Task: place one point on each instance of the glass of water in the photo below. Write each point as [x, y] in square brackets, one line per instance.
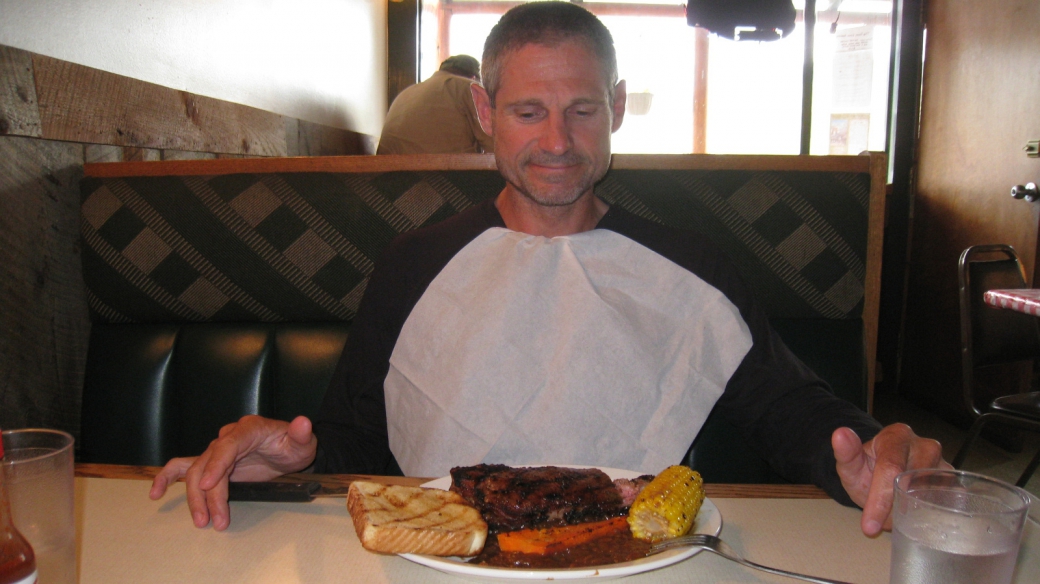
[39, 473]
[951, 526]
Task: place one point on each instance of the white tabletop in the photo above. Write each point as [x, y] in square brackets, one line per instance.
[126, 537]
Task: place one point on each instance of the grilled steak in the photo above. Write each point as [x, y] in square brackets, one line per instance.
[524, 498]
[630, 488]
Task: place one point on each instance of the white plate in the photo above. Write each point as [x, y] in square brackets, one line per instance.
[709, 520]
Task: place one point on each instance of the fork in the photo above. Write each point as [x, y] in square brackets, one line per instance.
[717, 546]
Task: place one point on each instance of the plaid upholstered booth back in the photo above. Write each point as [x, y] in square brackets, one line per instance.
[276, 243]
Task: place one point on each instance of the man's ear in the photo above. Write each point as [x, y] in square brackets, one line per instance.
[620, 98]
[483, 105]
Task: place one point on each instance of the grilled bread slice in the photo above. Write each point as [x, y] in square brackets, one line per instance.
[396, 520]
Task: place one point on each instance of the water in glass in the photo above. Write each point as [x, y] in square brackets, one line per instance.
[938, 552]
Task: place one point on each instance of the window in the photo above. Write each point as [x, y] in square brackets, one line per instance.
[751, 92]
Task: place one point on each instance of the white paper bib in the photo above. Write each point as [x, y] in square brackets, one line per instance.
[586, 349]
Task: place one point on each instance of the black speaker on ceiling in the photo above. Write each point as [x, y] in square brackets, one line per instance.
[743, 20]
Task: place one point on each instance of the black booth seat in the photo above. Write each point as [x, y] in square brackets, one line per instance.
[156, 391]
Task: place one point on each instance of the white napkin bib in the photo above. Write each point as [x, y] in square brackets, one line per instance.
[586, 349]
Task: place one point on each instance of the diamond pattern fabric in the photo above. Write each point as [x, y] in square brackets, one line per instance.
[300, 246]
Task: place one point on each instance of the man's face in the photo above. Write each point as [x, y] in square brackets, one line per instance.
[552, 121]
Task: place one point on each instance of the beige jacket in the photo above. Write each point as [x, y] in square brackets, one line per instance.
[435, 116]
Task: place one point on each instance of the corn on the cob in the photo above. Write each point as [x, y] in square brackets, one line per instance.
[668, 505]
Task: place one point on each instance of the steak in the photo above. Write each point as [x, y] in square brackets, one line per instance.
[629, 489]
[511, 498]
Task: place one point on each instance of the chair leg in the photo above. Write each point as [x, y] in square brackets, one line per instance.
[976, 428]
[1029, 471]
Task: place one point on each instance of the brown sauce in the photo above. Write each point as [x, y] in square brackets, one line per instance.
[611, 549]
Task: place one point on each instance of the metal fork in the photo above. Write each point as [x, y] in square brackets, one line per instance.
[717, 546]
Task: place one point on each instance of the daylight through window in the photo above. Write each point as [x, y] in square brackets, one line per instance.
[692, 91]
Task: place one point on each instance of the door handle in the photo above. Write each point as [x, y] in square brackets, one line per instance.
[1027, 191]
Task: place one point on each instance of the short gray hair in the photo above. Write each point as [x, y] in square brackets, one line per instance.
[546, 23]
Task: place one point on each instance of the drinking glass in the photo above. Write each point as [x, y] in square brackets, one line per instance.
[38, 471]
[952, 526]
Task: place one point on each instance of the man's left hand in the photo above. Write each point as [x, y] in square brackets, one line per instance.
[868, 471]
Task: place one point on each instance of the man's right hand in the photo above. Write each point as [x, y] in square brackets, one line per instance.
[252, 449]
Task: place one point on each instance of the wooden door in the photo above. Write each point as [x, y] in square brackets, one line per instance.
[980, 105]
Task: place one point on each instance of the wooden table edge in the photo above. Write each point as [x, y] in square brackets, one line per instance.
[340, 482]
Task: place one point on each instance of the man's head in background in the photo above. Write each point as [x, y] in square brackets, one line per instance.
[462, 65]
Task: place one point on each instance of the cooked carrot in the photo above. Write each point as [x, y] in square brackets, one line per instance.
[554, 539]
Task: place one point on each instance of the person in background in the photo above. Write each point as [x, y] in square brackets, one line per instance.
[437, 116]
[444, 363]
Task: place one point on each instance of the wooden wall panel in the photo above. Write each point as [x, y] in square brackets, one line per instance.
[317, 140]
[81, 104]
[979, 108]
[106, 153]
[292, 137]
[44, 324]
[57, 100]
[187, 155]
[18, 113]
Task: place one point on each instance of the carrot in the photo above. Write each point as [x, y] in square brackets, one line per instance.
[554, 539]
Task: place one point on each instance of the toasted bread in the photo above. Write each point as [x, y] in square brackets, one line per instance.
[395, 520]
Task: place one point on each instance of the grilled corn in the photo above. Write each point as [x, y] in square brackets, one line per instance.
[668, 505]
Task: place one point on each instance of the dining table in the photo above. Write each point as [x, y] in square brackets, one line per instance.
[124, 536]
[1024, 300]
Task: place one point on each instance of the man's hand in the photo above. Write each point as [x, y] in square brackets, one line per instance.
[252, 449]
[868, 471]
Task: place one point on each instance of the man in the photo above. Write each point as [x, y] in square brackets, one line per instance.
[437, 115]
[546, 326]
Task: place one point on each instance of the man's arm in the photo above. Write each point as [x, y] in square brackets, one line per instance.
[351, 424]
[788, 414]
[806, 432]
[252, 449]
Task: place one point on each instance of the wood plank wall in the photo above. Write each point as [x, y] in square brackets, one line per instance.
[54, 117]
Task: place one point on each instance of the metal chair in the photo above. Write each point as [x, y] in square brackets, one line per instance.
[994, 336]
